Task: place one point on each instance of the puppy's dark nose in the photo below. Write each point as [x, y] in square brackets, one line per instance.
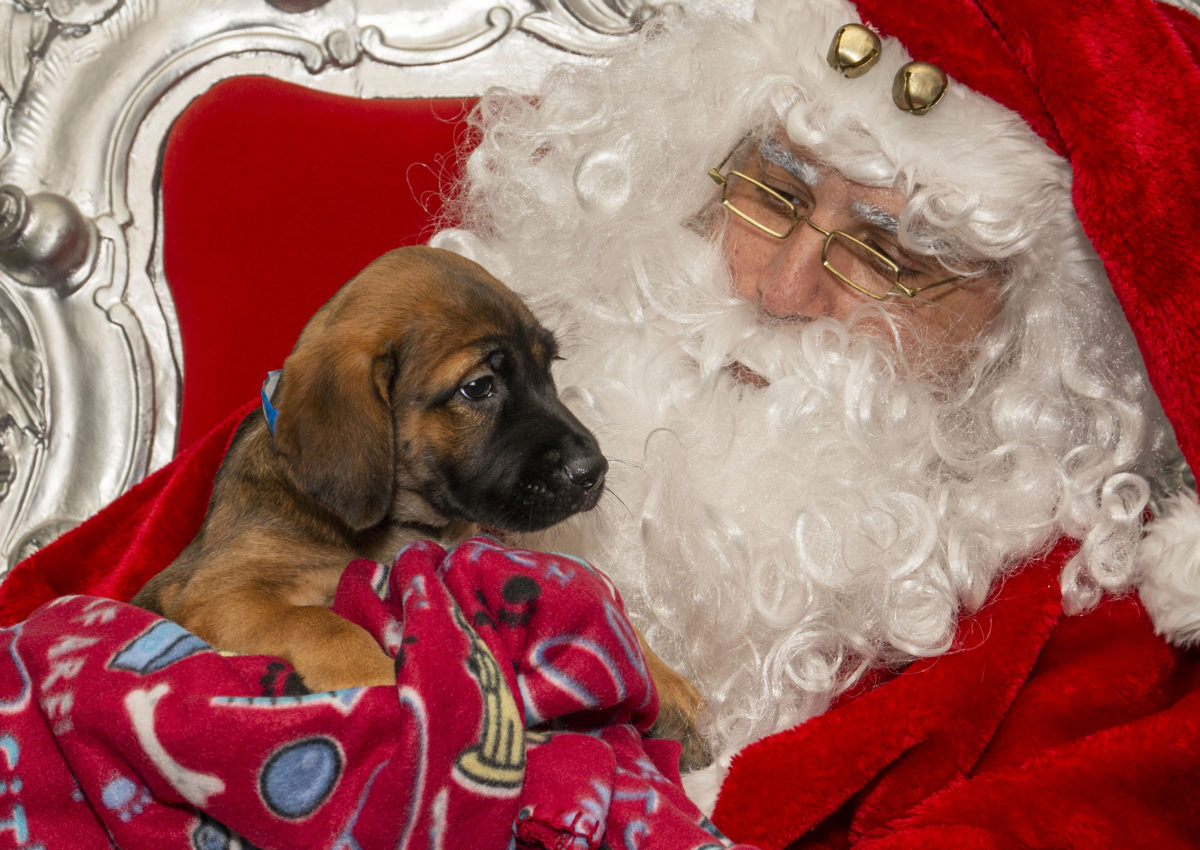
[587, 473]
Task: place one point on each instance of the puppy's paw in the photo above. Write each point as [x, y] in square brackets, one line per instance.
[679, 706]
[349, 659]
[278, 680]
[679, 725]
[354, 672]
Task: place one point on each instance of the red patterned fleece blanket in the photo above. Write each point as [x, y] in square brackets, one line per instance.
[516, 721]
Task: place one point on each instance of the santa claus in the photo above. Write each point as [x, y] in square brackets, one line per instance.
[855, 333]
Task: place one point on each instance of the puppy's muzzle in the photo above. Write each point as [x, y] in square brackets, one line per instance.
[586, 472]
[567, 478]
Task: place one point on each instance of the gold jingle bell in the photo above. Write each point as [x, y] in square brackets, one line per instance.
[918, 87]
[854, 50]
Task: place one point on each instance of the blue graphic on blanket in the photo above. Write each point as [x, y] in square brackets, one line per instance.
[15, 822]
[208, 834]
[161, 645]
[343, 700]
[300, 776]
[15, 684]
[125, 798]
[551, 567]
[552, 664]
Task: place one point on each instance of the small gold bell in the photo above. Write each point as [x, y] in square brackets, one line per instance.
[854, 50]
[919, 87]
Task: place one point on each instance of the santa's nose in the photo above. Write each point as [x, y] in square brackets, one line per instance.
[793, 283]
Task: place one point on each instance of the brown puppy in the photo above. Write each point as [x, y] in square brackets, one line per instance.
[417, 402]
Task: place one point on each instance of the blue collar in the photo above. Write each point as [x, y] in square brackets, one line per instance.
[268, 390]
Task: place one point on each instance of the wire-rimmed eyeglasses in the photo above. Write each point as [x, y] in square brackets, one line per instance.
[852, 261]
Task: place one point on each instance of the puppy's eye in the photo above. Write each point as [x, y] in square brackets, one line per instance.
[478, 389]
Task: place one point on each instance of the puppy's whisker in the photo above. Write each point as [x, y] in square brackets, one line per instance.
[620, 501]
[629, 463]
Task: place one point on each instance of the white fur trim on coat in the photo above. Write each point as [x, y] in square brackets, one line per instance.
[1169, 563]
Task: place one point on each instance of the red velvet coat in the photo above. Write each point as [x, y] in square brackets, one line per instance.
[1037, 730]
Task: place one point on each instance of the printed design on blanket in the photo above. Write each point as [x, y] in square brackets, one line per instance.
[549, 670]
[125, 798]
[496, 765]
[298, 777]
[163, 644]
[517, 720]
[207, 834]
[15, 684]
[343, 701]
[410, 700]
[15, 824]
[192, 785]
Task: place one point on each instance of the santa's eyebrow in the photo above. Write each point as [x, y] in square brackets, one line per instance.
[772, 151]
[871, 214]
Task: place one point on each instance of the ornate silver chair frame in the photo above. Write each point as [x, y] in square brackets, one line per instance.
[90, 367]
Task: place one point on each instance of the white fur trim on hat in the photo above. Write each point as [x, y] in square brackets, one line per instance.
[967, 164]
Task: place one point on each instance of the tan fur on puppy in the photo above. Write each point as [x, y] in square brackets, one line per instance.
[417, 402]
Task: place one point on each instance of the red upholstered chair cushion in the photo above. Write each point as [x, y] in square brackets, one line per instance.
[273, 196]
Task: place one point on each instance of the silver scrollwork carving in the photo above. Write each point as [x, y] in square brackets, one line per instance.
[90, 370]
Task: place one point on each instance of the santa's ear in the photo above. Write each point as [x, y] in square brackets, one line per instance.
[334, 434]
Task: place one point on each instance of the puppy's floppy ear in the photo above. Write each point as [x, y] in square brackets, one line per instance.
[334, 433]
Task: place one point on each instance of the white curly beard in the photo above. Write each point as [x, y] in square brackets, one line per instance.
[773, 543]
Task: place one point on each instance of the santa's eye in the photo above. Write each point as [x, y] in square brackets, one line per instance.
[478, 389]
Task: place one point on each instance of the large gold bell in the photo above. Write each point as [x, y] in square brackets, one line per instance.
[918, 87]
[854, 50]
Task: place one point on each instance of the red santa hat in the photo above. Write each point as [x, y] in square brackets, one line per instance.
[1113, 89]
[1113, 86]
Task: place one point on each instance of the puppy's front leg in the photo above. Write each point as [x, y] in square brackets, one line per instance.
[328, 651]
[679, 705]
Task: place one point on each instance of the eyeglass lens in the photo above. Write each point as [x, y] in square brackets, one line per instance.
[844, 256]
